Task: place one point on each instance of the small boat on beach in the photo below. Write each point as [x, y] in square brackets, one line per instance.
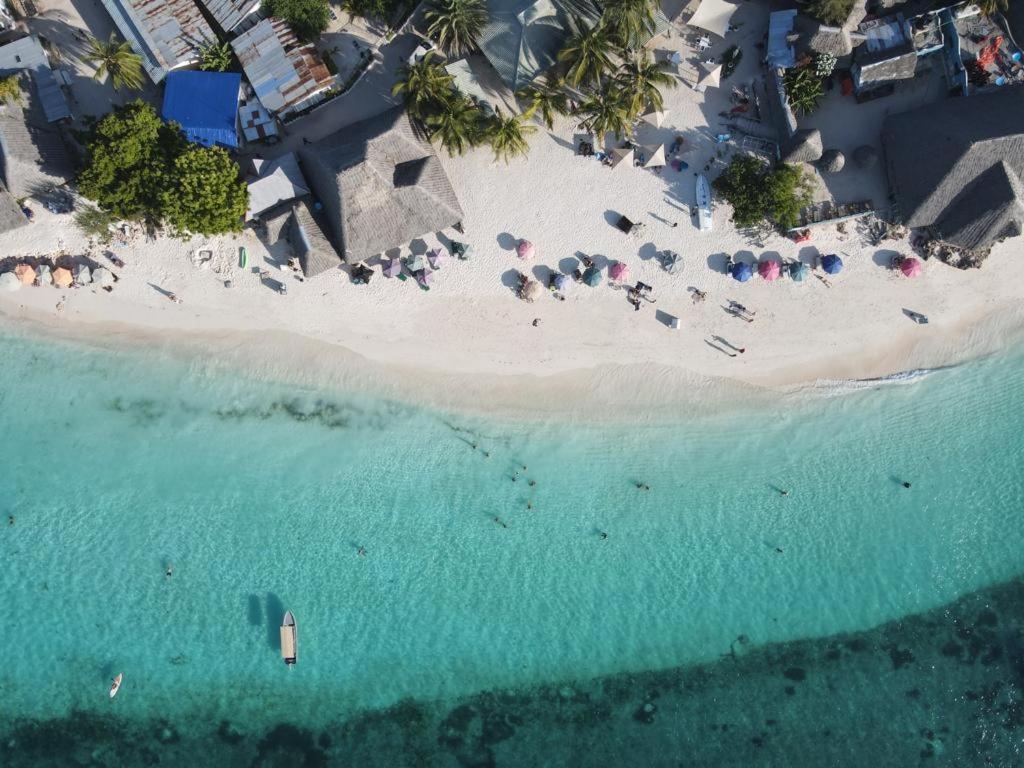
[243, 257]
[289, 639]
[115, 685]
[703, 203]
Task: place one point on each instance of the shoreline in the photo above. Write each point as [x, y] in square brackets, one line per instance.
[292, 359]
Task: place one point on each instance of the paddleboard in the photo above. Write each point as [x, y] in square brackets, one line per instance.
[703, 203]
[243, 257]
[115, 686]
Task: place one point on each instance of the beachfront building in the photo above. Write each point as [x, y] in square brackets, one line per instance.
[955, 168]
[287, 76]
[27, 57]
[523, 37]
[274, 182]
[233, 16]
[380, 186]
[205, 105]
[167, 35]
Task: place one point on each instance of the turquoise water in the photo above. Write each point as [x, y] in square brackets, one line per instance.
[260, 495]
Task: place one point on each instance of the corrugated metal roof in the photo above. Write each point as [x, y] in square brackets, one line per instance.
[28, 54]
[205, 105]
[283, 72]
[277, 181]
[230, 13]
[166, 33]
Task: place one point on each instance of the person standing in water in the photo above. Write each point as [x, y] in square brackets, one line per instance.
[170, 571]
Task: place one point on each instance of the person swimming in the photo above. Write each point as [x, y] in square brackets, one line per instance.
[604, 535]
[905, 484]
[170, 571]
[361, 551]
[532, 483]
[783, 492]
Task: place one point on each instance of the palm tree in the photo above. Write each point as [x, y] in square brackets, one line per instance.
[455, 25]
[116, 59]
[508, 136]
[640, 78]
[630, 22]
[605, 112]
[588, 54]
[426, 86]
[546, 98]
[456, 126]
[992, 7]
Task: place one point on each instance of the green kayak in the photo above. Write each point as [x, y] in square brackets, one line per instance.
[243, 257]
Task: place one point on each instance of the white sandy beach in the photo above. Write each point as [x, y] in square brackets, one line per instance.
[470, 333]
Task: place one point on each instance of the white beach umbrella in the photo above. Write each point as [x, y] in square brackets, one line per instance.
[83, 276]
[102, 276]
[9, 281]
[655, 156]
[655, 117]
[710, 76]
[620, 156]
[45, 275]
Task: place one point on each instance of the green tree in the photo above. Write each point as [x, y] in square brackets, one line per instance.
[455, 25]
[588, 55]
[758, 192]
[834, 12]
[456, 125]
[425, 85]
[629, 22]
[95, 222]
[605, 112]
[117, 60]
[127, 154]
[546, 98]
[307, 17]
[10, 89]
[641, 79]
[804, 89]
[206, 195]
[215, 57]
[508, 136]
[992, 7]
[368, 9]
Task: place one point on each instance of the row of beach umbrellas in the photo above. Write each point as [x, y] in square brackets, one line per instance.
[831, 264]
[60, 277]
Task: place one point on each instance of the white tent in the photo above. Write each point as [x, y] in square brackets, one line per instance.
[621, 156]
[709, 76]
[654, 117]
[713, 16]
[655, 156]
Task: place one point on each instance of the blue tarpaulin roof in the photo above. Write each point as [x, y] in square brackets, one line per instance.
[780, 53]
[205, 104]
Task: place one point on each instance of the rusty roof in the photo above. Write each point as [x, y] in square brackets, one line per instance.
[230, 13]
[283, 72]
[166, 33]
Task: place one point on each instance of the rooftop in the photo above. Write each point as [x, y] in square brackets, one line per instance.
[205, 105]
[230, 13]
[27, 54]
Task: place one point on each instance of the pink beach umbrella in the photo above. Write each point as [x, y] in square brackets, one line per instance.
[619, 271]
[910, 267]
[769, 270]
[525, 250]
[393, 268]
[435, 258]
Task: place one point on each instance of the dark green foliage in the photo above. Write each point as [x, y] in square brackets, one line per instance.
[832, 12]
[307, 17]
[804, 89]
[139, 168]
[758, 192]
[216, 57]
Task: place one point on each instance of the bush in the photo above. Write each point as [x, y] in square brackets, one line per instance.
[757, 192]
[10, 89]
[216, 57]
[307, 17]
[804, 89]
[95, 223]
[833, 12]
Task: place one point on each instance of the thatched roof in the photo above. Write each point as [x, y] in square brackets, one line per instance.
[805, 147]
[956, 166]
[308, 241]
[832, 161]
[33, 156]
[11, 216]
[381, 185]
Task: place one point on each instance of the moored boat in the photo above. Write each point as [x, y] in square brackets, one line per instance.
[289, 639]
[115, 685]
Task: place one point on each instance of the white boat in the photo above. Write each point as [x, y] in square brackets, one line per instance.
[115, 686]
[289, 639]
[703, 203]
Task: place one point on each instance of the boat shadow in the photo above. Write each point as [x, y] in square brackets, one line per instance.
[274, 612]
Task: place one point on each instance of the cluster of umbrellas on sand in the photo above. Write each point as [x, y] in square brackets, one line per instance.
[420, 266]
[590, 275]
[60, 277]
[771, 270]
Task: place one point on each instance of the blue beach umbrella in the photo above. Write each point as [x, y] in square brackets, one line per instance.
[832, 264]
[592, 276]
[799, 271]
[561, 282]
[742, 271]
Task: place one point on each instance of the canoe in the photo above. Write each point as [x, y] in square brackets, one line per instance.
[243, 257]
[703, 203]
[289, 639]
[115, 686]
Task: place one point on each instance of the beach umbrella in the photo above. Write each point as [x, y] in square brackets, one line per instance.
[62, 277]
[655, 117]
[425, 276]
[619, 271]
[799, 271]
[768, 269]
[435, 257]
[532, 290]
[560, 281]
[102, 276]
[25, 273]
[832, 264]
[525, 250]
[416, 263]
[44, 275]
[9, 281]
[592, 276]
[910, 266]
[393, 268]
[83, 275]
[655, 155]
[621, 156]
[742, 271]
